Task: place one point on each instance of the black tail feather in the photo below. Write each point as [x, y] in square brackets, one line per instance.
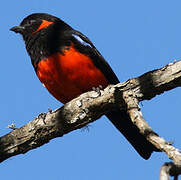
[123, 123]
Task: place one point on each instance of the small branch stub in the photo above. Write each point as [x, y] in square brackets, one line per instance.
[170, 169]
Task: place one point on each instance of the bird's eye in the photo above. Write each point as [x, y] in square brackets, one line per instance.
[31, 22]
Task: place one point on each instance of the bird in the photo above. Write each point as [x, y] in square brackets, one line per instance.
[68, 64]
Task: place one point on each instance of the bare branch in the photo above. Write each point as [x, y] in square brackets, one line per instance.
[170, 169]
[137, 118]
[92, 105]
[164, 172]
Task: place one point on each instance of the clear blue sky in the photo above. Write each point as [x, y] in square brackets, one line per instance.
[134, 37]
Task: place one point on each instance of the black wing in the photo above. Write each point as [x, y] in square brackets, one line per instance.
[84, 45]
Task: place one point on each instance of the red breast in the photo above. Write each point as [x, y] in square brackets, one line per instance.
[70, 74]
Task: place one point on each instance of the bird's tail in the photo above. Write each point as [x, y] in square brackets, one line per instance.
[123, 123]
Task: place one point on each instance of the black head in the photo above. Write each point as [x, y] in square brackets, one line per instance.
[37, 22]
[42, 34]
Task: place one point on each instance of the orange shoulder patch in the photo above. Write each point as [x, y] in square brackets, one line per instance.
[44, 24]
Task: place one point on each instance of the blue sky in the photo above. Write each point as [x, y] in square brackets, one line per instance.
[134, 37]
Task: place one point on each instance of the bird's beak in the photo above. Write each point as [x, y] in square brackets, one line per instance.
[18, 29]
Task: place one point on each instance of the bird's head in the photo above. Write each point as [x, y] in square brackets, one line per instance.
[37, 23]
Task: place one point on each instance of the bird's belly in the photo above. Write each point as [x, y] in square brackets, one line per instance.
[69, 75]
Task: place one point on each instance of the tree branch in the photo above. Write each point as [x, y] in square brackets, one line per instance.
[90, 106]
